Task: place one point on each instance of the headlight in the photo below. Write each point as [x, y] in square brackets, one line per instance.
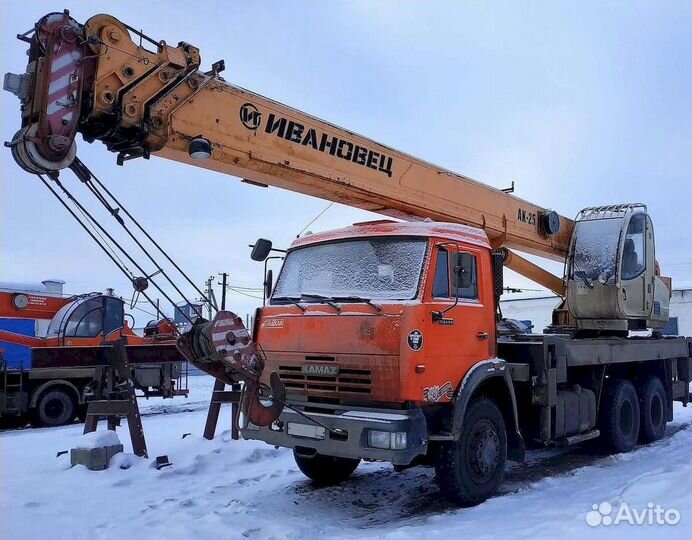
[387, 440]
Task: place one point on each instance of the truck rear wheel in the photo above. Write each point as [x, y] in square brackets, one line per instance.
[55, 407]
[469, 470]
[619, 418]
[325, 470]
[652, 403]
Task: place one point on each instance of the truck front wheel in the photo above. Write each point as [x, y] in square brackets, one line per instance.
[55, 407]
[470, 469]
[325, 470]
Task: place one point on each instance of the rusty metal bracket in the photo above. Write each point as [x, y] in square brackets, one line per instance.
[219, 396]
[116, 398]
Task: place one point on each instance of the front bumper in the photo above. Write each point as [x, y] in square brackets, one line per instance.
[352, 441]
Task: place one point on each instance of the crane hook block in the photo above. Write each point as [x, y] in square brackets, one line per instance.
[224, 349]
[140, 284]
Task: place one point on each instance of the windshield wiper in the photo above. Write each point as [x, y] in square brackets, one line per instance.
[582, 275]
[326, 299]
[292, 300]
[355, 298]
[578, 272]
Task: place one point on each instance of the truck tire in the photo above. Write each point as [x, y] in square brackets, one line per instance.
[619, 418]
[326, 470]
[652, 403]
[55, 407]
[469, 470]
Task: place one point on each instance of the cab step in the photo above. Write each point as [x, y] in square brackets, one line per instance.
[575, 439]
[441, 437]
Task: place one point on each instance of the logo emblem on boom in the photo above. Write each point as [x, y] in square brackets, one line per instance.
[250, 116]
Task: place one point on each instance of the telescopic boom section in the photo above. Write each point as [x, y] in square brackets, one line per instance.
[96, 80]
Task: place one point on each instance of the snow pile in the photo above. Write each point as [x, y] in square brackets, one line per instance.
[98, 439]
[200, 387]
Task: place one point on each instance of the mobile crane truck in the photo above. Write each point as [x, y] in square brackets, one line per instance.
[384, 340]
[49, 379]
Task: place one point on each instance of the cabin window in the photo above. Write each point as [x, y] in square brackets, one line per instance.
[441, 280]
[86, 319]
[634, 249]
[464, 275]
[461, 268]
[113, 319]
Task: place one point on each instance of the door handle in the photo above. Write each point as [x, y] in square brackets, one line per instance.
[482, 335]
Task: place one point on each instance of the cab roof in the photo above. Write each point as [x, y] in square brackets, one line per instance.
[425, 229]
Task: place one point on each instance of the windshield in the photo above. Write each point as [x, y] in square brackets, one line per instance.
[81, 318]
[383, 268]
[595, 249]
[58, 319]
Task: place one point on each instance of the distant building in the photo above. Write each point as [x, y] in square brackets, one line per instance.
[35, 299]
[185, 313]
[34, 292]
[536, 308]
[48, 287]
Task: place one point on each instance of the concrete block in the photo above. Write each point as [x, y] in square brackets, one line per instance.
[94, 459]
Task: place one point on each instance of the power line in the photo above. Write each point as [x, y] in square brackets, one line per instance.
[244, 293]
[259, 289]
[145, 311]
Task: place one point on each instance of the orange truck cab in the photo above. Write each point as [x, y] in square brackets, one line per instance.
[362, 326]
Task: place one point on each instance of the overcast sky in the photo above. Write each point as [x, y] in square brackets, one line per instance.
[580, 103]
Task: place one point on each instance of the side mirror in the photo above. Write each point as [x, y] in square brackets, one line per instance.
[268, 284]
[464, 270]
[261, 249]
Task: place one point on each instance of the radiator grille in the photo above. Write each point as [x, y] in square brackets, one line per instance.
[348, 381]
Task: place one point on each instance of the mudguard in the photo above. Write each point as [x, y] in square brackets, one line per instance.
[474, 378]
[57, 382]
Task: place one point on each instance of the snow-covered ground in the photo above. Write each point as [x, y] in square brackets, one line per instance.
[200, 387]
[226, 489]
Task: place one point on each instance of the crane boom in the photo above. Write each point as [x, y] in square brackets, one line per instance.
[286, 148]
[94, 79]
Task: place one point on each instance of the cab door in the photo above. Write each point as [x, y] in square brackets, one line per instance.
[460, 329]
[637, 261]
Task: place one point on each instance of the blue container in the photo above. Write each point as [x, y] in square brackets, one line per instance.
[17, 356]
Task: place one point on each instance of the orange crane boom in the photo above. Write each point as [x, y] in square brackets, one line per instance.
[96, 80]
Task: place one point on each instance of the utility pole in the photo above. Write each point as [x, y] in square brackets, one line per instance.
[224, 280]
[211, 304]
